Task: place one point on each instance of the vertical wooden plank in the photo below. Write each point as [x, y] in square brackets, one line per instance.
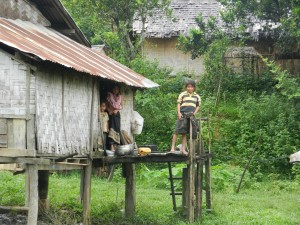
[16, 133]
[19, 126]
[43, 184]
[172, 186]
[82, 185]
[191, 180]
[3, 126]
[30, 133]
[33, 195]
[199, 172]
[87, 193]
[27, 97]
[184, 190]
[27, 187]
[207, 170]
[10, 133]
[130, 190]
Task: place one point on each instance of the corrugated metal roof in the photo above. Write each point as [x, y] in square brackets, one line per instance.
[50, 45]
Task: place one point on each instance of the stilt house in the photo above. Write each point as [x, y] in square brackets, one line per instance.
[51, 82]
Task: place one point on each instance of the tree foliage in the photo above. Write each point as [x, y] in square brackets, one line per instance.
[111, 22]
[280, 19]
[120, 14]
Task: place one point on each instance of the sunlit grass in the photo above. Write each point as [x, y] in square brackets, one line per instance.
[272, 202]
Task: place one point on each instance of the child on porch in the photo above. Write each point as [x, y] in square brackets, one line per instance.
[104, 123]
[188, 104]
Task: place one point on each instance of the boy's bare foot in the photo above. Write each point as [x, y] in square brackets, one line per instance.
[185, 153]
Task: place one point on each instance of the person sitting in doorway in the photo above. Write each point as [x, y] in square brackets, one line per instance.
[114, 105]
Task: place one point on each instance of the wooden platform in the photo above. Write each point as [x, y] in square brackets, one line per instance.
[151, 158]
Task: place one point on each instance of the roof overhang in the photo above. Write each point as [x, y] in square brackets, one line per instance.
[50, 45]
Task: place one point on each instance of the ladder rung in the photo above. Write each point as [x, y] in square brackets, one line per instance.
[176, 193]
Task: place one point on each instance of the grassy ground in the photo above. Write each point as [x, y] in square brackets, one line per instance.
[272, 202]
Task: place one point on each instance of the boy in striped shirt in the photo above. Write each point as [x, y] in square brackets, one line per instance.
[188, 104]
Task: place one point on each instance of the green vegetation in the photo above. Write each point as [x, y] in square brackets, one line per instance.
[111, 21]
[269, 202]
[248, 112]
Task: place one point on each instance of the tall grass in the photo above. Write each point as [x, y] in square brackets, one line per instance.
[269, 202]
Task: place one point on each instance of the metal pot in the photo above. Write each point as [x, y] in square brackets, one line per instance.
[125, 149]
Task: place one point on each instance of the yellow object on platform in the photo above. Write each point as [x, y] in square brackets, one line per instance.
[144, 151]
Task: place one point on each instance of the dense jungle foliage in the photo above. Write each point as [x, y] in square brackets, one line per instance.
[250, 114]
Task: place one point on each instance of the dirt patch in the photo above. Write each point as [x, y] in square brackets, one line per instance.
[14, 219]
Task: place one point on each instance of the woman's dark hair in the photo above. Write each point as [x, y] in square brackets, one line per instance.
[116, 86]
[190, 82]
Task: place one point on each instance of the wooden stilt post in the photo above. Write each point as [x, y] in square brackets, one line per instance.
[87, 193]
[199, 174]
[87, 182]
[130, 190]
[207, 170]
[43, 184]
[27, 187]
[185, 193]
[33, 195]
[82, 185]
[191, 179]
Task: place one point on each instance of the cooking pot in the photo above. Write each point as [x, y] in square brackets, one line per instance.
[125, 149]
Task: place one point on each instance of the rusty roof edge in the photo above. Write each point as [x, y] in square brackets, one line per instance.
[122, 74]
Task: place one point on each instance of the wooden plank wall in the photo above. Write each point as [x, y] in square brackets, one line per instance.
[17, 105]
[23, 10]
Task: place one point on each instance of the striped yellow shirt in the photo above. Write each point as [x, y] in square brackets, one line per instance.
[188, 102]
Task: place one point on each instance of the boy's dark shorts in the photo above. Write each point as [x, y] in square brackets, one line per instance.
[183, 126]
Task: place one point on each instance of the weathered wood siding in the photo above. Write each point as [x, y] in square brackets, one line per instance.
[64, 112]
[12, 87]
[17, 104]
[22, 9]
